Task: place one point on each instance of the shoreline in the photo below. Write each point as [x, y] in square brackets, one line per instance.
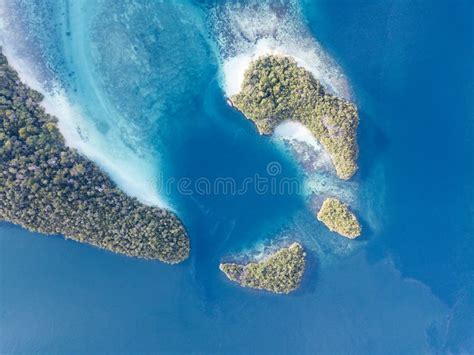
[276, 90]
[280, 271]
[48, 187]
[82, 135]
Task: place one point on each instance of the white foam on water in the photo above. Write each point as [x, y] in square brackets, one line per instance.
[135, 173]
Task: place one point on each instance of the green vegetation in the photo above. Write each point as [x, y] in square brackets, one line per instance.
[276, 89]
[50, 188]
[338, 218]
[280, 272]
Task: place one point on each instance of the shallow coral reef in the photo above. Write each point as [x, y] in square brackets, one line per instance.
[47, 187]
[276, 89]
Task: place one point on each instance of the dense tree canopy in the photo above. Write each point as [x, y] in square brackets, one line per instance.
[280, 272]
[276, 89]
[338, 218]
[47, 187]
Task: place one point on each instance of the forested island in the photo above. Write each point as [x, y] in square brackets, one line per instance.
[280, 272]
[338, 218]
[49, 188]
[276, 89]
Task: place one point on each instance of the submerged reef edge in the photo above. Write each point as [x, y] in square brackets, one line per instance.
[50, 188]
[275, 89]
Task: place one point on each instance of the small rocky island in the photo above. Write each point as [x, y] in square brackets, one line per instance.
[49, 188]
[338, 218]
[280, 272]
[276, 89]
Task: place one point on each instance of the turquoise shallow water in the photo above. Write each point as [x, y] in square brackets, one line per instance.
[147, 78]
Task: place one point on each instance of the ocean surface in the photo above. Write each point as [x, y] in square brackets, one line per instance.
[140, 88]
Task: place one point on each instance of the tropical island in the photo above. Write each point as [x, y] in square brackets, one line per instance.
[276, 89]
[338, 218]
[280, 272]
[49, 188]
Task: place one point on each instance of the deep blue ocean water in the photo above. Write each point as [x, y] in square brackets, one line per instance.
[148, 78]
